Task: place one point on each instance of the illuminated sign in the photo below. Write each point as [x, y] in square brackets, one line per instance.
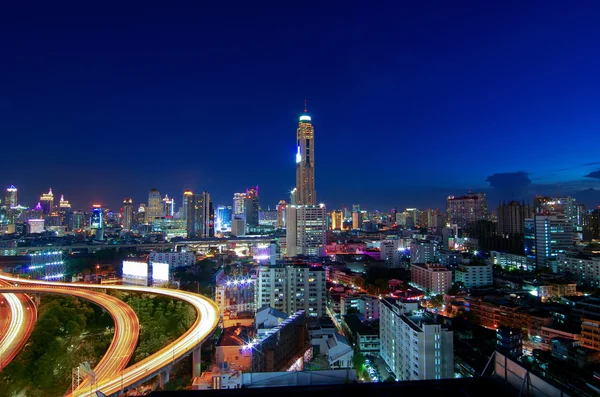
[160, 272]
[135, 269]
[305, 118]
[298, 156]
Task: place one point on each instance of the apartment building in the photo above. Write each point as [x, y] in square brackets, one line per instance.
[413, 345]
[434, 278]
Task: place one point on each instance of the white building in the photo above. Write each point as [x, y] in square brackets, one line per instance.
[412, 344]
[336, 348]
[474, 275]
[365, 305]
[423, 251]
[436, 279]
[290, 289]
[506, 260]
[174, 259]
[238, 227]
[585, 268]
[553, 235]
[306, 226]
[390, 252]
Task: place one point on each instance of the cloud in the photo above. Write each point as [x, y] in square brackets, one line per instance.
[592, 163]
[594, 174]
[510, 185]
[590, 197]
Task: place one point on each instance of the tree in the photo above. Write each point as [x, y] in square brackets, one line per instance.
[437, 301]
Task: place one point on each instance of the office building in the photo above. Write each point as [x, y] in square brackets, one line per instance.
[170, 227]
[466, 210]
[140, 215]
[47, 202]
[337, 220]
[238, 205]
[474, 275]
[251, 207]
[431, 278]
[511, 217]
[305, 161]
[188, 197]
[390, 251]
[292, 288]
[202, 216]
[223, 219]
[553, 234]
[10, 198]
[168, 206]
[413, 345]
[127, 220]
[305, 230]
[155, 208]
[97, 223]
[268, 217]
[64, 211]
[281, 214]
[36, 226]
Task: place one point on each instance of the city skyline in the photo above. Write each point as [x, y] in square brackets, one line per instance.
[411, 104]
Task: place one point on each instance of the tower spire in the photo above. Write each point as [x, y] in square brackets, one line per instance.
[305, 111]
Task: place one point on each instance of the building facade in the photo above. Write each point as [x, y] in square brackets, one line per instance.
[306, 227]
[474, 275]
[305, 161]
[292, 288]
[413, 345]
[436, 279]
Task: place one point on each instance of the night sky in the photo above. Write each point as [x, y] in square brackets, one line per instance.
[410, 102]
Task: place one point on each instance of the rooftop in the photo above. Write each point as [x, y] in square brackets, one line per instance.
[488, 386]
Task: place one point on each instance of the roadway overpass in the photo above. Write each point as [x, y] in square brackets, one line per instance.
[162, 361]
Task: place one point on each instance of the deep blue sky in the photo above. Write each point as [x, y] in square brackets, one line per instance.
[411, 102]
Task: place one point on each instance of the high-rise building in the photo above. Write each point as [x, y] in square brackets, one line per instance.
[168, 206]
[10, 199]
[306, 226]
[155, 208]
[200, 216]
[281, 214]
[47, 202]
[238, 205]
[223, 221]
[356, 217]
[292, 288]
[267, 217]
[337, 220]
[64, 211]
[97, 223]
[140, 216]
[432, 278]
[127, 220]
[305, 161]
[413, 344]
[251, 206]
[553, 235]
[466, 210]
[511, 217]
[185, 209]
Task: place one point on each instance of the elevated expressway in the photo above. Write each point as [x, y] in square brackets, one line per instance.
[162, 361]
[18, 314]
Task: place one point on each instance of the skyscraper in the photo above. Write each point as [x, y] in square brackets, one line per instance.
[200, 216]
[281, 214]
[238, 205]
[306, 222]
[251, 206]
[47, 202]
[305, 161]
[10, 199]
[553, 235]
[127, 213]
[155, 209]
[223, 221]
[97, 223]
[187, 199]
[64, 211]
[168, 206]
[511, 217]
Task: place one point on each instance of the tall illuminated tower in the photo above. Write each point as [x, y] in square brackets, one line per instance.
[155, 208]
[47, 201]
[305, 161]
[127, 220]
[10, 199]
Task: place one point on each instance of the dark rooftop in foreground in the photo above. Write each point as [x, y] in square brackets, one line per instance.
[481, 386]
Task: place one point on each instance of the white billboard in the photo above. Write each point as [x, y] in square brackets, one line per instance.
[135, 273]
[160, 272]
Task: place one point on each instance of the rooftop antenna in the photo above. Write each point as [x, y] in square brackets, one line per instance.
[305, 111]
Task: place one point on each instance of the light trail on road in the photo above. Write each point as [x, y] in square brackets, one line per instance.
[126, 334]
[22, 314]
[206, 322]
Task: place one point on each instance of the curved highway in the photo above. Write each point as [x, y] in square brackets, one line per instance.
[204, 325]
[126, 322]
[18, 313]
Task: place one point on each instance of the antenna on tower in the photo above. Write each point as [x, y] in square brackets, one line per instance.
[305, 111]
